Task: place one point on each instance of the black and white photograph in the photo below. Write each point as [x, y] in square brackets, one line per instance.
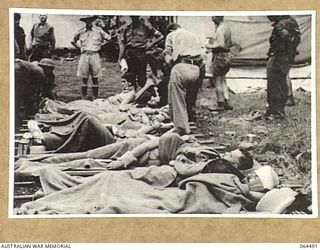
[162, 114]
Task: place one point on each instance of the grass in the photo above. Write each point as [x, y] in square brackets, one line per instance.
[277, 143]
[69, 85]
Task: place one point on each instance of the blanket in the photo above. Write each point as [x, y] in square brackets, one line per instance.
[59, 108]
[77, 133]
[113, 193]
[64, 161]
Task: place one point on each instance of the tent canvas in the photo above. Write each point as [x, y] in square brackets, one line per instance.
[252, 33]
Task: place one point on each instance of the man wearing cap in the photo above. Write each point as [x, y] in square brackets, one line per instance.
[42, 39]
[137, 39]
[183, 50]
[91, 39]
[19, 38]
[32, 82]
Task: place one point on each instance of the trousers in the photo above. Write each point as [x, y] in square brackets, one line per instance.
[182, 94]
[137, 62]
[39, 52]
[277, 88]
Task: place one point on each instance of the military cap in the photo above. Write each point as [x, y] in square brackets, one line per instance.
[88, 19]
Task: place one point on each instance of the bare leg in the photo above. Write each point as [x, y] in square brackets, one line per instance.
[227, 106]
[289, 83]
[219, 89]
[220, 92]
[225, 88]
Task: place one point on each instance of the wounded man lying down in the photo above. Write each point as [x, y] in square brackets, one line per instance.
[77, 133]
[177, 178]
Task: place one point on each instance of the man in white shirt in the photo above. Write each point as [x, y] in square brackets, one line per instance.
[184, 52]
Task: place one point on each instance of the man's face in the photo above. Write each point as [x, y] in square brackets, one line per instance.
[17, 21]
[149, 72]
[43, 18]
[216, 19]
[191, 157]
[160, 75]
[89, 25]
[233, 156]
[273, 18]
[135, 19]
[113, 21]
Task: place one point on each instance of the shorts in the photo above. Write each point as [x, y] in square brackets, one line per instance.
[89, 64]
[221, 64]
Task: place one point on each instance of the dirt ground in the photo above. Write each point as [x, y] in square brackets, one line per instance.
[285, 145]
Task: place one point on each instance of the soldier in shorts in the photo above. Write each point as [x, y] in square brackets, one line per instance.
[91, 39]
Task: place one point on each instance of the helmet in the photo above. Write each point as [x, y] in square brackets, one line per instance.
[47, 62]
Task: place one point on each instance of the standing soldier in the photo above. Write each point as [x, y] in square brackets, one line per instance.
[91, 39]
[184, 52]
[221, 61]
[19, 38]
[42, 39]
[137, 39]
[284, 41]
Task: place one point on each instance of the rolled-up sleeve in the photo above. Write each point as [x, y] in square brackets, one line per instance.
[168, 45]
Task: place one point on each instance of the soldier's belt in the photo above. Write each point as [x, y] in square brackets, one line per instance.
[89, 52]
[196, 62]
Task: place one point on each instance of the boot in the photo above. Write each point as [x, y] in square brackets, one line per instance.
[220, 107]
[227, 106]
[290, 101]
[84, 92]
[95, 91]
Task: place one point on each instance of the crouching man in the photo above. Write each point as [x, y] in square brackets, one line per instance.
[33, 81]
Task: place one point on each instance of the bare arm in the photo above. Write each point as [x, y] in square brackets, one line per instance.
[168, 50]
[105, 36]
[75, 39]
[122, 48]
[128, 97]
[148, 84]
[32, 36]
[131, 156]
[52, 38]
